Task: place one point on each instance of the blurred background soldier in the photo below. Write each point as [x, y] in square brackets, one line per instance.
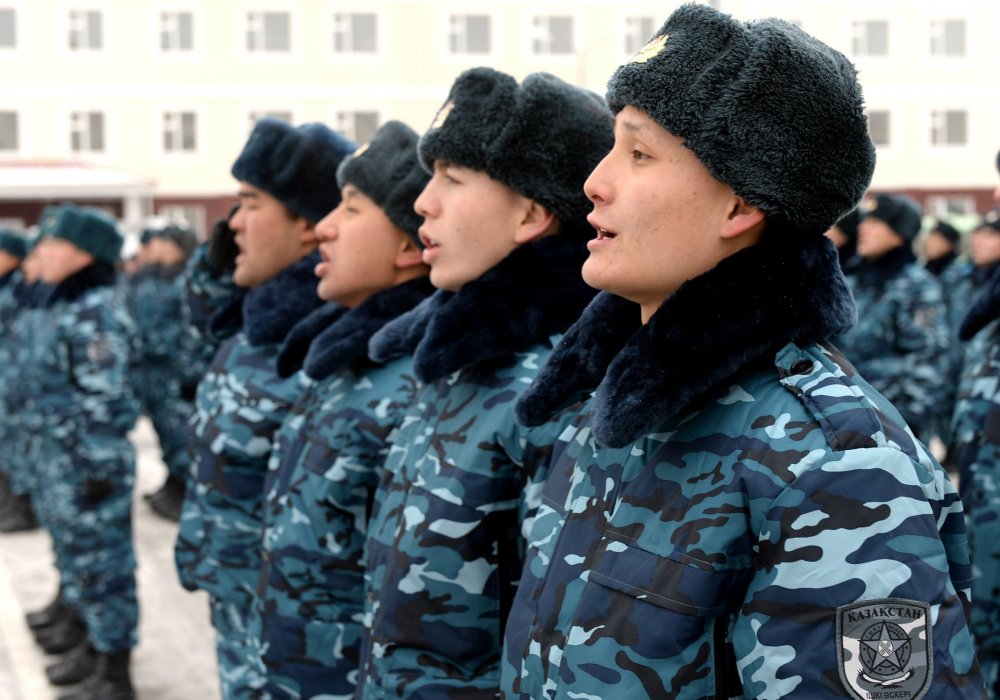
[78, 379]
[844, 235]
[160, 372]
[901, 341]
[16, 514]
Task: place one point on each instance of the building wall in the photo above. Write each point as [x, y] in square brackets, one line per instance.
[133, 83]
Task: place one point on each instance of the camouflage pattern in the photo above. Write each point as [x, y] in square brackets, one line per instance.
[321, 482]
[901, 343]
[708, 559]
[77, 386]
[444, 551]
[9, 308]
[240, 404]
[160, 372]
[209, 291]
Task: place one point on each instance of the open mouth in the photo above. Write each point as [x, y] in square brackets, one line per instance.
[603, 233]
[427, 240]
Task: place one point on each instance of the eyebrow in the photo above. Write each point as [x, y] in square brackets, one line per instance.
[633, 127]
[246, 194]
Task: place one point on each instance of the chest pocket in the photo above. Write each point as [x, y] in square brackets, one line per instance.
[653, 624]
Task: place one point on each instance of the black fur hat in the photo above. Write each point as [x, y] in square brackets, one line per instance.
[295, 165]
[88, 228]
[769, 110]
[948, 231]
[13, 243]
[900, 212]
[387, 170]
[541, 138]
[183, 237]
[990, 220]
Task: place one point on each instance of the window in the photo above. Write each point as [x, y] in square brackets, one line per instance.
[878, 126]
[870, 37]
[948, 38]
[946, 206]
[469, 34]
[176, 31]
[552, 35]
[255, 117]
[355, 32]
[8, 131]
[87, 132]
[179, 132]
[8, 28]
[269, 32]
[85, 30]
[638, 31]
[949, 128]
[359, 126]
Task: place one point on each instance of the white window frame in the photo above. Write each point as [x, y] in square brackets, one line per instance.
[945, 147]
[107, 29]
[17, 50]
[891, 39]
[624, 31]
[352, 109]
[465, 57]
[294, 52]
[555, 11]
[21, 124]
[199, 131]
[382, 19]
[891, 125]
[196, 53]
[108, 154]
[88, 153]
[931, 37]
[250, 111]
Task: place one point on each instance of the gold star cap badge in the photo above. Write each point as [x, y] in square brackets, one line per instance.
[442, 114]
[652, 48]
[361, 149]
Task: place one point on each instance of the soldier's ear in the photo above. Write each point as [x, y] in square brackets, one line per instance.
[741, 218]
[408, 254]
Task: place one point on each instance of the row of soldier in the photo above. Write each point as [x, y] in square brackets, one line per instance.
[550, 401]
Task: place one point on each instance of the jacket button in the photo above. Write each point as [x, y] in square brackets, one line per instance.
[801, 367]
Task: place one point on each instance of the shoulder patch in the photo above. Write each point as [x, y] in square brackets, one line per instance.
[884, 649]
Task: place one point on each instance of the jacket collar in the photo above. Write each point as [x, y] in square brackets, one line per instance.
[877, 273]
[533, 293]
[985, 307]
[333, 337]
[267, 313]
[753, 302]
[98, 274]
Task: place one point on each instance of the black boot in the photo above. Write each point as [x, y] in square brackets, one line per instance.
[74, 667]
[61, 636]
[19, 517]
[169, 500]
[48, 615]
[109, 681]
[6, 495]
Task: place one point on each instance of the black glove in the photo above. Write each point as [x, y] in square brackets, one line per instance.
[96, 490]
[189, 392]
[221, 246]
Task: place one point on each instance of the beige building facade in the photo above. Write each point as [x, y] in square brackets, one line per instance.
[163, 93]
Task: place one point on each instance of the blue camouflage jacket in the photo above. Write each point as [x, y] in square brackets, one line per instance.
[444, 542]
[321, 481]
[738, 513]
[975, 450]
[902, 338]
[240, 404]
[77, 376]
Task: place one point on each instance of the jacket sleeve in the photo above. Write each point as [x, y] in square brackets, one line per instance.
[208, 289]
[864, 548]
[100, 344]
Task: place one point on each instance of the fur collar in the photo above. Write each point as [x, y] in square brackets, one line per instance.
[936, 267]
[985, 307]
[272, 309]
[752, 303]
[293, 351]
[345, 342]
[877, 273]
[98, 274]
[9, 279]
[533, 293]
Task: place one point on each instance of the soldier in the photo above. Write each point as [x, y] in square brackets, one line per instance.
[504, 236]
[739, 515]
[16, 514]
[331, 447]
[286, 186]
[156, 300]
[78, 378]
[901, 341]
